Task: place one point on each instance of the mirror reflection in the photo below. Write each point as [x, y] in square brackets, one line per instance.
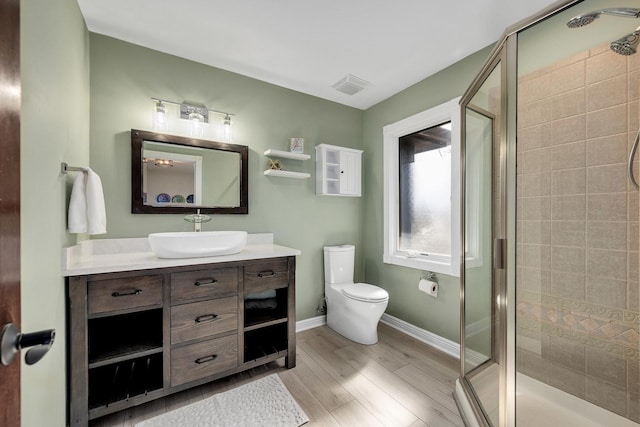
[172, 174]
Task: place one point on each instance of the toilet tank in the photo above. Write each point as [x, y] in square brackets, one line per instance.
[338, 264]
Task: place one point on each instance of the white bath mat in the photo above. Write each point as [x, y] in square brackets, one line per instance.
[264, 402]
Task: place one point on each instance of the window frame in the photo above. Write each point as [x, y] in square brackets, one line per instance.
[450, 265]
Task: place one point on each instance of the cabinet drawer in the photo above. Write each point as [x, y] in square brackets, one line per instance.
[203, 319]
[203, 284]
[124, 293]
[266, 275]
[196, 361]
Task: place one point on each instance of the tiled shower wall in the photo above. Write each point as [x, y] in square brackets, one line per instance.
[577, 229]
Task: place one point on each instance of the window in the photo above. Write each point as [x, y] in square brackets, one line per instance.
[421, 190]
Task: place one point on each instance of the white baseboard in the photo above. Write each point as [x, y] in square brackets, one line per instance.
[450, 347]
[312, 322]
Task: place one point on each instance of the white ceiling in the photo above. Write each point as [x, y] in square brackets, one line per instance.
[308, 46]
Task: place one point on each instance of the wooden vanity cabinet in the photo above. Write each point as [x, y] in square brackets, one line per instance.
[140, 335]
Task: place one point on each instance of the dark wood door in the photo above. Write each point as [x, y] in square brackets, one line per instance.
[10, 199]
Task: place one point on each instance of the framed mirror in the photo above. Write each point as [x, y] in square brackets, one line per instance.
[176, 174]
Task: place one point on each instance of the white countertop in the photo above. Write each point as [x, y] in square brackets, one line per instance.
[111, 255]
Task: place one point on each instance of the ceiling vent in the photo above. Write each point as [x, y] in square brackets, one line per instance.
[350, 84]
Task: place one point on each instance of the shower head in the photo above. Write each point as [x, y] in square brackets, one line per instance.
[628, 44]
[588, 18]
[582, 20]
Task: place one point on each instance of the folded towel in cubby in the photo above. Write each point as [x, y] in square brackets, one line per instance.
[271, 293]
[260, 304]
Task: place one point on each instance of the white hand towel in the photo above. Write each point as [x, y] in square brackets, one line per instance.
[77, 218]
[87, 213]
[96, 212]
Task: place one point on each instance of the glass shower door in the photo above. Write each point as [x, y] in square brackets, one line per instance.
[483, 275]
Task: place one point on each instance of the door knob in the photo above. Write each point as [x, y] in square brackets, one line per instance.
[12, 341]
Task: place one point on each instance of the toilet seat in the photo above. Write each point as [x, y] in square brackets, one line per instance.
[365, 292]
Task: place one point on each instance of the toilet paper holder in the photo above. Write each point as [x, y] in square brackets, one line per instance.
[428, 284]
[429, 275]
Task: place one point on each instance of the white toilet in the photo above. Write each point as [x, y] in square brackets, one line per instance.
[353, 309]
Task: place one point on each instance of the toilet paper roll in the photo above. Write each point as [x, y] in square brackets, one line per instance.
[428, 287]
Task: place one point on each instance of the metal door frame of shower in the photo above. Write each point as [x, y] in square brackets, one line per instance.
[498, 321]
[504, 54]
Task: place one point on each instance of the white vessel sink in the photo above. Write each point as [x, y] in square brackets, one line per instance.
[201, 244]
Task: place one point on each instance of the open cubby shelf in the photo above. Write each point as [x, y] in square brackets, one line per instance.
[265, 311]
[265, 341]
[253, 318]
[129, 334]
[121, 381]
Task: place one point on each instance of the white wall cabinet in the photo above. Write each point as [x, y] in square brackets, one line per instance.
[338, 171]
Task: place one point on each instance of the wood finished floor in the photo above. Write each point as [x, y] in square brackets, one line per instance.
[397, 382]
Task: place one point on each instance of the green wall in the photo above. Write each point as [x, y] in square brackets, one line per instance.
[54, 128]
[439, 315]
[123, 79]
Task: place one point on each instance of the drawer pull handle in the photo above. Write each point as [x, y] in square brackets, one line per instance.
[206, 318]
[128, 293]
[267, 273]
[205, 282]
[206, 359]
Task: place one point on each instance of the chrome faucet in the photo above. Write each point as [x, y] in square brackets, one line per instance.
[197, 219]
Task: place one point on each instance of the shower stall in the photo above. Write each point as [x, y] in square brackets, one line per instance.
[550, 299]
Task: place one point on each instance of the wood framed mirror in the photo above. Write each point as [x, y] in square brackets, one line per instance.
[175, 174]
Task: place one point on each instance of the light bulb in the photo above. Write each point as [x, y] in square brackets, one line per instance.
[160, 122]
[197, 128]
[226, 128]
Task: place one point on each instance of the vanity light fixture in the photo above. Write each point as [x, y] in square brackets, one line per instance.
[194, 112]
[198, 116]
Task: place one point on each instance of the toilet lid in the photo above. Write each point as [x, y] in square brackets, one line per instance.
[365, 292]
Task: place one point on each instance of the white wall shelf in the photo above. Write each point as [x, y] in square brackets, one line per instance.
[286, 174]
[286, 154]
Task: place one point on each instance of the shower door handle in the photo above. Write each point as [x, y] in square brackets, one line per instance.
[499, 251]
[632, 154]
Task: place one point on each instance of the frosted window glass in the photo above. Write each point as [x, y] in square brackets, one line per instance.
[425, 191]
